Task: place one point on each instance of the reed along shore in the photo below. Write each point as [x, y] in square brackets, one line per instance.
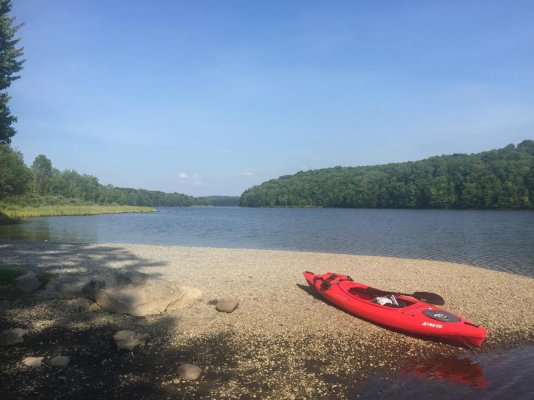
[10, 213]
[281, 342]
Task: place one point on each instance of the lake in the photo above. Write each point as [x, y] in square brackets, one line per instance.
[502, 240]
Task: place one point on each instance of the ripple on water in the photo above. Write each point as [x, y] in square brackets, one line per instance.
[499, 240]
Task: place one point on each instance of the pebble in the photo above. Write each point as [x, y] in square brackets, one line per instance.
[33, 362]
[189, 372]
[128, 340]
[60, 361]
[227, 304]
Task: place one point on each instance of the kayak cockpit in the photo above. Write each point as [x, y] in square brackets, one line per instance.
[370, 295]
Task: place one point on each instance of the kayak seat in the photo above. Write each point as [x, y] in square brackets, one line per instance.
[370, 294]
[401, 304]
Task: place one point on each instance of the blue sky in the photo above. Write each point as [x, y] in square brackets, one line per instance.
[213, 97]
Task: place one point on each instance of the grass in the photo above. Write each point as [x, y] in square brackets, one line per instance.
[22, 208]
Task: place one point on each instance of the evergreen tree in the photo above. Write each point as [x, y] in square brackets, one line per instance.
[10, 65]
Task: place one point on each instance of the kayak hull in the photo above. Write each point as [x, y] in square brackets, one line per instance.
[411, 316]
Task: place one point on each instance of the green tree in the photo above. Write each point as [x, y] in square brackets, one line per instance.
[10, 65]
[42, 174]
[15, 176]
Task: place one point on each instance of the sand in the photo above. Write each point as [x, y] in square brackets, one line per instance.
[281, 342]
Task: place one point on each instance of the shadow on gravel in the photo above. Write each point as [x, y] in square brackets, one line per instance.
[75, 260]
[310, 291]
[97, 369]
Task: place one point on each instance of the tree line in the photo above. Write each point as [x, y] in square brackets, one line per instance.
[45, 181]
[497, 179]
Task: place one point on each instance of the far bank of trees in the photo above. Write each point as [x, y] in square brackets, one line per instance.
[42, 180]
[497, 179]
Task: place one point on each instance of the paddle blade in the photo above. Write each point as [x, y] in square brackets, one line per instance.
[428, 297]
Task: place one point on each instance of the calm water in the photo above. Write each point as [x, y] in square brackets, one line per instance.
[502, 240]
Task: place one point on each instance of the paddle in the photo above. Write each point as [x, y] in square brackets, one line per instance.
[427, 297]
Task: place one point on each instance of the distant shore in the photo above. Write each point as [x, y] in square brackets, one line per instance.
[281, 342]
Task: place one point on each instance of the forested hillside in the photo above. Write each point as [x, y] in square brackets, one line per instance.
[20, 184]
[496, 179]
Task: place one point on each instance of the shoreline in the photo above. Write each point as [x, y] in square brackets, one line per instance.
[13, 213]
[281, 342]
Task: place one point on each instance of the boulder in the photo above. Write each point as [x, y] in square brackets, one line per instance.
[129, 340]
[28, 282]
[12, 336]
[60, 361]
[67, 287]
[138, 294]
[227, 304]
[189, 372]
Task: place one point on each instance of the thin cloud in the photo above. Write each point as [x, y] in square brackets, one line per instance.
[186, 178]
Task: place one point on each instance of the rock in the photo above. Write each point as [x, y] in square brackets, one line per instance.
[93, 307]
[138, 294]
[12, 336]
[33, 362]
[129, 340]
[189, 372]
[227, 304]
[28, 282]
[60, 361]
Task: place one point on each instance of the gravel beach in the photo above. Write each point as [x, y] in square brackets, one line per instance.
[281, 341]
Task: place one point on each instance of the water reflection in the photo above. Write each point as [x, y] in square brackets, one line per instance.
[438, 377]
[19, 231]
[452, 369]
[492, 375]
[54, 229]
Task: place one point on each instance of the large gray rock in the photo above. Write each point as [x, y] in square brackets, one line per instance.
[138, 294]
[28, 282]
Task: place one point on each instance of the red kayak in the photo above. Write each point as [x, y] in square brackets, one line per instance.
[399, 312]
